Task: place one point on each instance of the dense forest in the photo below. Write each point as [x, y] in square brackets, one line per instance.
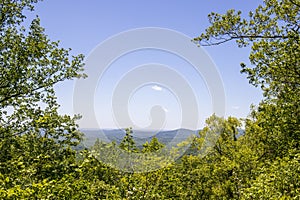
[38, 156]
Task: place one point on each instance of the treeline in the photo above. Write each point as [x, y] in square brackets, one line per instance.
[233, 168]
[37, 156]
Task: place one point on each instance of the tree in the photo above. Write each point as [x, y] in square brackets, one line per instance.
[35, 139]
[273, 31]
[152, 146]
[128, 143]
[30, 65]
[273, 128]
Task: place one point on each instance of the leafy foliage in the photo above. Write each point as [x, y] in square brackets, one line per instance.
[272, 129]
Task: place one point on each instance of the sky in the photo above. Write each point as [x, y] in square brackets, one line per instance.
[150, 87]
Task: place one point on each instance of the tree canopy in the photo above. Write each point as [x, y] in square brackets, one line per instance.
[272, 130]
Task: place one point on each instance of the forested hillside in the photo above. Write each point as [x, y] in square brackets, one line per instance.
[38, 156]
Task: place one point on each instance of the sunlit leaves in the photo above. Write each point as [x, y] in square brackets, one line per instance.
[272, 129]
[35, 140]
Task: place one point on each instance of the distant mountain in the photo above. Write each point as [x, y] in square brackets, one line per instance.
[168, 137]
[140, 136]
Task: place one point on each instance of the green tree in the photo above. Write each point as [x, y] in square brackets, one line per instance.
[128, 143]
[273, 33]
[35, 140]
[152, 146]
[273, 128]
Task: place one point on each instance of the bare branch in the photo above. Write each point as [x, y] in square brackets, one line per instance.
[243, 37]
[216, 43]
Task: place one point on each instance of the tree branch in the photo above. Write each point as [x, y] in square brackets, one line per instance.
[293, 2]
[30, 92]
[244, 37]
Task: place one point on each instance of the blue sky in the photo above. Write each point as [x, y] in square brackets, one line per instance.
[82, 25]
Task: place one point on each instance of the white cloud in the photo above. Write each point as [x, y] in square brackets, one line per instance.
[166, 110]
[235, 107]
[157, 88]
